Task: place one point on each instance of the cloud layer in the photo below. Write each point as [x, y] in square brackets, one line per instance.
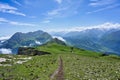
[59, 1]
[5, 37]
[5, 51]
[105, 8]
[97, 3]
[105, 26]
[3, 20]
[64, 9]
[103, 5]
[60, 38]
[5, 8]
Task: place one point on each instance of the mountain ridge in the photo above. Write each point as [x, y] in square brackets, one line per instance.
[26, 39]
[92, 39]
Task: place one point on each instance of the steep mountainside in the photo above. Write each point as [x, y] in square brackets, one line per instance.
[95, 39]
[33, 51]
[88, 39]
[26, 39]
[112, 41]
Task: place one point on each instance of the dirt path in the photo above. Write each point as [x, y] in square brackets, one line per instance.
[58, 74]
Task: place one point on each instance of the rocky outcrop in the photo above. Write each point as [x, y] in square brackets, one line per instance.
[30, 51]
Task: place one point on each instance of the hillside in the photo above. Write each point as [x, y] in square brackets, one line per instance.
[77, 64]
[29, 39]
[94, 39]
[112, 40]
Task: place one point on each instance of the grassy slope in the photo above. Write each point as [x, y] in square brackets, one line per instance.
[61, 49]
[79, 65]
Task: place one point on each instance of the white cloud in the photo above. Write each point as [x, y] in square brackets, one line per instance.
[46, 21]
[96, 3]
[16, 2]
[65, 9]
[59, 1]
[5, 51]
[105, 26]
[5, 8]
[4, 37]
[105, 8]
[103, 4]
[3, 20]
[38, 42]
[21, 24]
[60, 38]
[56, 12]
[15, 12]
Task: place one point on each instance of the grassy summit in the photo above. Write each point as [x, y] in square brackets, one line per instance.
[78, 64]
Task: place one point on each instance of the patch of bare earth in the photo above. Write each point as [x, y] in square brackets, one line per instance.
[58, 74]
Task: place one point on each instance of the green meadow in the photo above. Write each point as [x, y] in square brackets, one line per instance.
[78, 64]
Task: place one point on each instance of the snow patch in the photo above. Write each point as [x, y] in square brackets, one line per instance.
[5, 51]
[60, 38]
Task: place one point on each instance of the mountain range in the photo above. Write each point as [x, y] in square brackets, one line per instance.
[94, 39]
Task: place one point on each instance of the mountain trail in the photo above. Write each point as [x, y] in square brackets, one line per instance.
[58, 74]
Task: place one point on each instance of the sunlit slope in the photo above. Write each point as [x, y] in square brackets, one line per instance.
[78, 64]
[56, 48]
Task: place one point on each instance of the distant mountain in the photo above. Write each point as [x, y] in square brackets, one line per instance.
[112, 41]
[26, 39]
[95, 39]
[87, 39]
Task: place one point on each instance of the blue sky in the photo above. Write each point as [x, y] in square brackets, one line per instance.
[48, 15]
